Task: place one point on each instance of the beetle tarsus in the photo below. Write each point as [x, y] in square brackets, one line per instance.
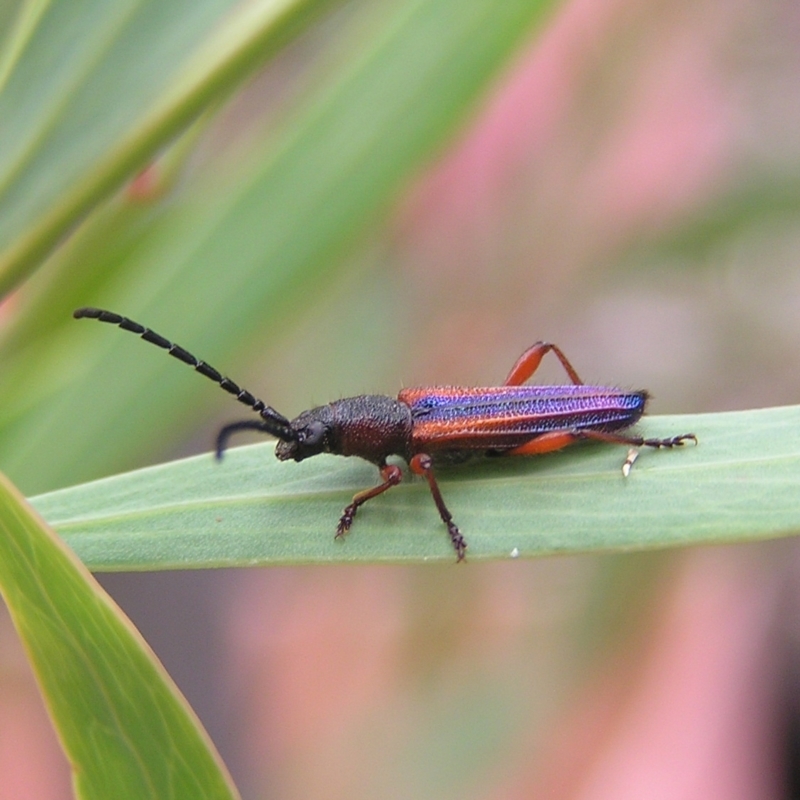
[391, 474]
[674, 441]
[459, 542]
[348, 515]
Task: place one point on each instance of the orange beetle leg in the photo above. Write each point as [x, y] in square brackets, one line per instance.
[529, 362]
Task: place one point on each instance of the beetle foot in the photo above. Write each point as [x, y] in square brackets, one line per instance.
[675, 441]
[459, 542]
[348, 515]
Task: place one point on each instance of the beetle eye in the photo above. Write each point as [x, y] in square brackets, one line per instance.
[314, 433]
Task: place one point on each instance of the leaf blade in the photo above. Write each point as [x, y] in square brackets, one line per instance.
[740, 483]
[124, 726]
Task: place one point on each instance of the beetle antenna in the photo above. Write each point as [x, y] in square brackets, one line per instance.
[228, 430]
[271, 421]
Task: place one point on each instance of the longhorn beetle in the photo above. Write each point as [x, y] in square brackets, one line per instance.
[434, 423]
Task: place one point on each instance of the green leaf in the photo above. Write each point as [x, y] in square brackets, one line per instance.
[89, 93]
[746, 205]
[741, 482]
[126, 729]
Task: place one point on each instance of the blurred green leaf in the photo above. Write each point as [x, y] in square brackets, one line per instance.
[89, 93]
[746, 204]
[126, 729]
[739, 484]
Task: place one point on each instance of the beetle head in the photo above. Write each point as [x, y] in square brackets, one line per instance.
[312, 436]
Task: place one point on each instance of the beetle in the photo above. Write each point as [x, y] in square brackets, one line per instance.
[432, 424]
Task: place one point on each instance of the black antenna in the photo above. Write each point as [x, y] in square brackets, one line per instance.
[271, 421]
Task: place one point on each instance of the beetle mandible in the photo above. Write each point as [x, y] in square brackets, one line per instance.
[434, 423]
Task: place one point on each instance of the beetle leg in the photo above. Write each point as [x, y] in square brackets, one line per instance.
[556, 440]
[391, 474]
[637, 441]
[422, 464]
[545, 443]
[529, 362]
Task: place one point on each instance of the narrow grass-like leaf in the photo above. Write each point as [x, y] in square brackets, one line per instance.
[90, 92]
[742, 482]
[744, 207]
[126, 730]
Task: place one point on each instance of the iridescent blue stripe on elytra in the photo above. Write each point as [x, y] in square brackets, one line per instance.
[534, 409]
